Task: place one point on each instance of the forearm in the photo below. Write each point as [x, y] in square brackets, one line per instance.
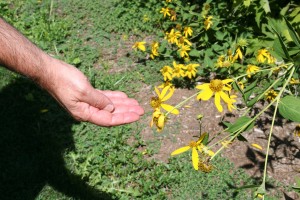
[17, 53]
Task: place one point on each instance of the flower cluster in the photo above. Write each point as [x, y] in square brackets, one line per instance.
[158, 104]
[198, 146]
[179, 71]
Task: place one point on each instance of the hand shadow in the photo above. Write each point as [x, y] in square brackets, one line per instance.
[32, 143]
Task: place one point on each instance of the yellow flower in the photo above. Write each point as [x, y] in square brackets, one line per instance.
[178, 70]
[297, 130]
[191, 70]
[158, 101]
[205, 166]
[220, 61]
[165, 84]
[294, 81]
[183, 40]
[154, 49]
[139, 45]
[183, 51]
[238, 54]
[168, 1]
[167, 72]
[195, 146]
[271, 95]
[165, 11]
[187, 31]
[208, 22]
[173, 15]
[241, 85]
[261, 55]
[264, 55]
[159, 119]
[251, 69]
[230, 105]
[216, 87]
[173, 36]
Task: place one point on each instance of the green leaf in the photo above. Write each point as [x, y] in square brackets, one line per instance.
[265, 5]
[292, 33]
[243, 123]
[249, 89]
[289, 108]
[205, 139]
[285, 9]
[194, 53]
[280, 48]
[247, 3]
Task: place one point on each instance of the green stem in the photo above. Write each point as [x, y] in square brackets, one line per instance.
[183, 102]
[273, 121]
[261, 112]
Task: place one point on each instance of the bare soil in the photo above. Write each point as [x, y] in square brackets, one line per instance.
[284, 155]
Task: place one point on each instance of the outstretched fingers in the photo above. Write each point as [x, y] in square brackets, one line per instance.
[105, 118]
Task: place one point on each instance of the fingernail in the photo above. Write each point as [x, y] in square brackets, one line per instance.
[109, 108]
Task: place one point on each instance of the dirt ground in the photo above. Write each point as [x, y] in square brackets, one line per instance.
[284, 156]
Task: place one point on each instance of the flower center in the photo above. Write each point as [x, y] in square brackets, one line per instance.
[216, 85]
[155, 102]
[193, 144]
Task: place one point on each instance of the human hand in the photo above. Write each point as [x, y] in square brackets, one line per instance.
[72, 90]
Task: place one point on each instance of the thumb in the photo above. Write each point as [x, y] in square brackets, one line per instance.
[98, 100]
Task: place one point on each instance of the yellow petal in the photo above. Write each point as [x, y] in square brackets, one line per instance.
[257, 146]
[225, 97]
[205, 95]
[170, 109]
[201, 138]
[195, 158]
[164, 92]
[203, 86]
[161, 122]
[180, 150]
[168, 96]
[227, 81]
[218, 102]
[157, 91]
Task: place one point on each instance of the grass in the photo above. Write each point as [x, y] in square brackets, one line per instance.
[47, 155]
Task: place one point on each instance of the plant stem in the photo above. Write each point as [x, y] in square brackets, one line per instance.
[273, 121]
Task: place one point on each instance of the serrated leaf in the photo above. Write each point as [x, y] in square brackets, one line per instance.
[289, 108]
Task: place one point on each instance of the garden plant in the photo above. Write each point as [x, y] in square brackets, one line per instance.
[237, 53]
[228, 50]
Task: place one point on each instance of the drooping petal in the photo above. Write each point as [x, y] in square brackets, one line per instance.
[161, 122]
[205, 94]
[180, 150]
[218, 102]
[227, 81]
[225, 97]
[157, 91]
[170, 109]
[165, 96]
[195, 158]
[164, 92]
[201, 138]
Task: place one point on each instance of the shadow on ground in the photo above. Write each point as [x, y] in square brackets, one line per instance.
[32, 143]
